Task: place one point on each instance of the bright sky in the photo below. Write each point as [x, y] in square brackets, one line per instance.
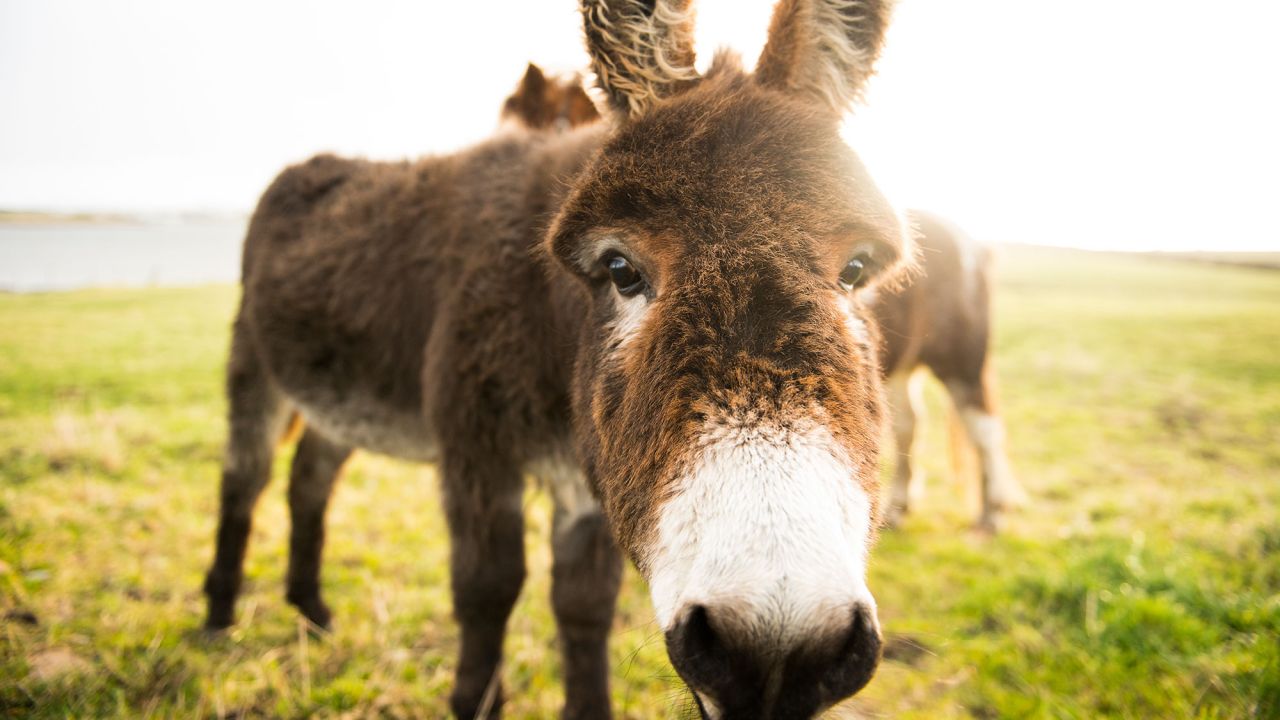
[1134, 124]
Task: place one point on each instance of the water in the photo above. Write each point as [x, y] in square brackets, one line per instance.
[38, 257]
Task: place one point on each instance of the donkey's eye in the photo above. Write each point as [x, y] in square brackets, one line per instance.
[624, 275]
[855, 272]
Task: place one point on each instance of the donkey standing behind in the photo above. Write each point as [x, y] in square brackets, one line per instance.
[656, 313]
[940, 319]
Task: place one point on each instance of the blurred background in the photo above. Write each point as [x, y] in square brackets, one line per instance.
[1122, 156]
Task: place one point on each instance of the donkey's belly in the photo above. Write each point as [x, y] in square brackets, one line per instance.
[367, 424]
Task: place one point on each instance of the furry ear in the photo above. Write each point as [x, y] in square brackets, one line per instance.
[579, 108]
[526, 104]
[534, 82]
[824, 49]
[641, 50]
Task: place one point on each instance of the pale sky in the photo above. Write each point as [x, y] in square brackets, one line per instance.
[1115, 124]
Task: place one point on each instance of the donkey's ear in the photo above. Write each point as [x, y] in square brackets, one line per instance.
[527, 105]
[824, 49]
[581, 109]
[534, 82]
[641, 50]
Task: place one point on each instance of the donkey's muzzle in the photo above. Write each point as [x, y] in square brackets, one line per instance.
[736, 672]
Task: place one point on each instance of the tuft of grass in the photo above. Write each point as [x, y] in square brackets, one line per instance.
[1143, 403]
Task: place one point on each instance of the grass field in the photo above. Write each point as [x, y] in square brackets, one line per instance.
[1143, 402]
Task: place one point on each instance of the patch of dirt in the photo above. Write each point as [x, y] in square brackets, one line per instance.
[49, 665]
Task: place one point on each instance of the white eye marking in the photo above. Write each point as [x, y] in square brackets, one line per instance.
[629, 317]
[856, 325]
[868, 296]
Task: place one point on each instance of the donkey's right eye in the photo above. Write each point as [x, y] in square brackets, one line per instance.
[625, 277]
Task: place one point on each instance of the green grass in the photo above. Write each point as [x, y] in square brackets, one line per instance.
[1143, 402]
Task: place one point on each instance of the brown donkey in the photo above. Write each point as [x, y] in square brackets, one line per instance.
[940, 320]
[548, 103]
[656, 314]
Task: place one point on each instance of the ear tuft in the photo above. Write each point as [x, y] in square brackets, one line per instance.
[824, 49]
[534, 81]
[526, 105]
[641, 50]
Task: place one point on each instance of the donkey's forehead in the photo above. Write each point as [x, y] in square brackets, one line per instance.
[731, 159]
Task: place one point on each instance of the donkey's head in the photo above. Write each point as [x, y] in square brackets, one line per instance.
[548, 103]
[728, 400]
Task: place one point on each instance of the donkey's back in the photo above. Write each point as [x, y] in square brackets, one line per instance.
[335, 243]
[323, 254]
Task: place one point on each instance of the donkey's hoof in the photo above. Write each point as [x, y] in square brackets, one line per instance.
[216, 626]
[319, 620]
[214, 630]
[487, 706]
[1015, 497]
[990, 524]
[221, 616]
[315, 611]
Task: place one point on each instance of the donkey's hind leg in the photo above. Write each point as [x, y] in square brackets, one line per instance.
[316, 465]
[257, 417]
[483, 490]
[907, 405]
[585, 576]
[974, 400]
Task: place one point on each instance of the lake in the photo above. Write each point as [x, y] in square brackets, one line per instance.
[56, 256]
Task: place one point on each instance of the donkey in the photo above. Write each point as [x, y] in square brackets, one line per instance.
[939, 320]
[657, 314]
[548, 103]
[942, 321]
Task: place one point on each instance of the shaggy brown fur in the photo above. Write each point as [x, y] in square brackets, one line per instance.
[824, 48]
[457, 309]
[641, 51]
[939, 320]
[781, 204]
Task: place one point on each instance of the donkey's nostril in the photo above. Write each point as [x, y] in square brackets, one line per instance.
[856, 657]
[698, 651]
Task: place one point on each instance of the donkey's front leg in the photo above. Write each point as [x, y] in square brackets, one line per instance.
[258, 416]
[482, 496]
[906, 401]
[585, 576]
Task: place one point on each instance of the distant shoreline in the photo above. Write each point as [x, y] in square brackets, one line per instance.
[45, 252]
[32, 217]
[42, 217]
[1261, 260]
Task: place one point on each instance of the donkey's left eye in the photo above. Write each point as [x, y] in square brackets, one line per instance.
[624, 276]
[855, 272]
